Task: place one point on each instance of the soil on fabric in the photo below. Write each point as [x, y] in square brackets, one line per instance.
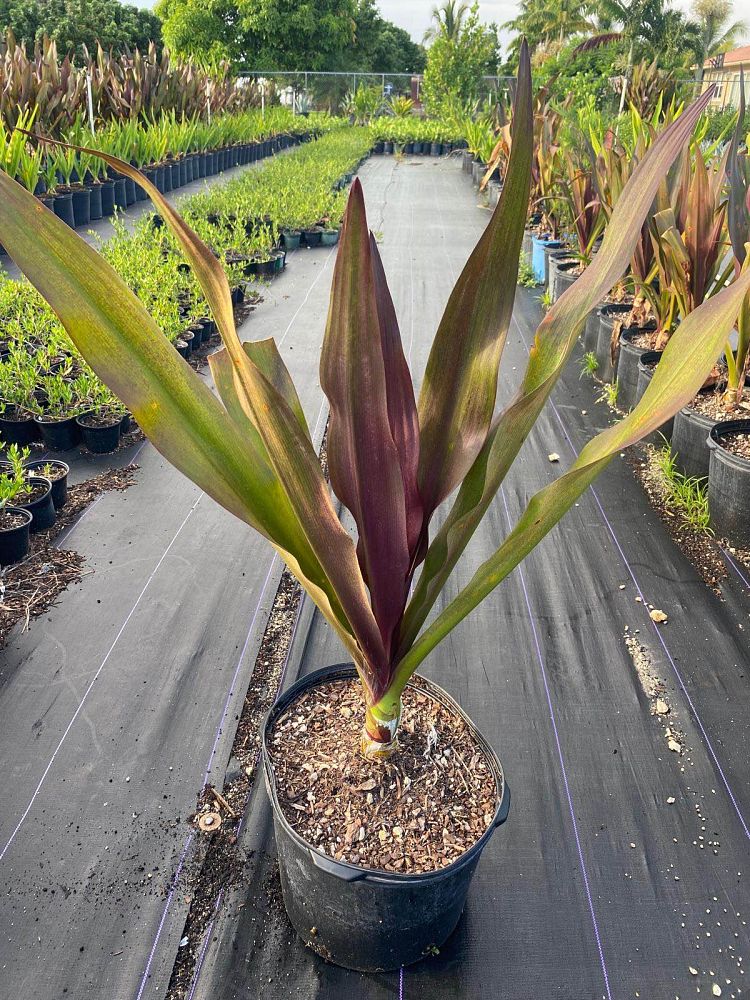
[32, 587]
[417, 812]
[699, 546]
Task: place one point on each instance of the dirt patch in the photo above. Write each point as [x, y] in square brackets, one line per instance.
[32, 587]
[417, 812]
[699, 546]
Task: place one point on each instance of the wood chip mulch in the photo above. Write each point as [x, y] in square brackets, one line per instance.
[418, 812]
[32, 587]
[738, 444]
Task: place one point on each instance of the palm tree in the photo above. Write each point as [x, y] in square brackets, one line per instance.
[714, 35]
[447, 20]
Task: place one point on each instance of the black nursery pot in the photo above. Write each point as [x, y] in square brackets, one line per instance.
[646, 365]
[562, 274]
[729, 485]
[100, 440]
[95, 202]
[607, 316]
[42, 510]
[14, 542]
[81, 199]
[108, 198]
[62, 205]
[627, 367]
[20, 432]
[59, 435]
[121, 196]
[363, 918]
[690, 441]
[312, 237]
[59, 489]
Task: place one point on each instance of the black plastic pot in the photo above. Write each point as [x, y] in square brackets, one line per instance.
[607, 316]
[59, 435]
[729, 485]
[108, 198]
[121, 197]
[646, 365]
[627, 367]
[690, 441]
[62, 205]
[59, 489]
[20, 432]
[42, 510]
[561, 276]
[14, 542]
[291, 239]
[126, 422]
[549, 247]
[416, 148]
[591, 331]
[95, 202]
[312, 237]
[81, 199]
[436, 149]
[130, 192]
[362, 918]
[100, 440]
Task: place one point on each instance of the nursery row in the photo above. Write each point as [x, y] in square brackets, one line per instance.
[131, 85]
[171, 151]
[690, 249]
[48, 393]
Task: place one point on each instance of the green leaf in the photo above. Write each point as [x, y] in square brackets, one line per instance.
[687, 360]
[460, 383]
[554, 340]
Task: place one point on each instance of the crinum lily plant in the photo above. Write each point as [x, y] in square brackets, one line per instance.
[393, 459]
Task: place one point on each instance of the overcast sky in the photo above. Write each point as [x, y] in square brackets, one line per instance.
[414, 15]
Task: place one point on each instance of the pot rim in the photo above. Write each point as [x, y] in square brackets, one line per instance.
[725, 428]
[345, 870]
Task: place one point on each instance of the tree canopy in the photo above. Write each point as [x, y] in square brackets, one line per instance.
[290, 35]
[73, 24]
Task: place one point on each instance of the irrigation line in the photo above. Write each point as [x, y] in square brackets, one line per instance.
[657, 631]
[568, 795]
[735, 567]
[579, 846]
[86, 693]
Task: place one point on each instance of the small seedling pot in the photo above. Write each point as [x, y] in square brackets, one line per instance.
[312, 237]
[362, 918]
[14, 542]
[729, 484]
[42, 509]
[108, 198]
[18, 431]
[59, 485]
[60, 434]
[100, 438]
[291, 239]
[81, 198]
[329, 237]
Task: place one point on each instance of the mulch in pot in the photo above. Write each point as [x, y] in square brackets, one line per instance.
[738, 444]
[417, 812]
[10, 519]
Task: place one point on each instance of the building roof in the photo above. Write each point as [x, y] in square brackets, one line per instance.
[733, 58]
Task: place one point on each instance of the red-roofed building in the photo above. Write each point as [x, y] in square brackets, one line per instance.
[724, 71]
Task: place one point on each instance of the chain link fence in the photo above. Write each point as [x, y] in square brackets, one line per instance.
[328, 91]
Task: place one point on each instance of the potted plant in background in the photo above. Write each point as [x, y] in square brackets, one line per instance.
[392, 460]
[729, 439]
[14, 520]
